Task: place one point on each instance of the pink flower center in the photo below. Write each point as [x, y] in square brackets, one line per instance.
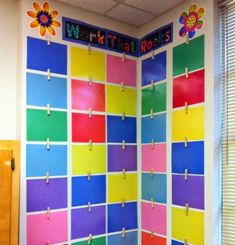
[191, 21]
[44, 19]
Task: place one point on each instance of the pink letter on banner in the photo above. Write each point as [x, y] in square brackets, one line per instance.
[119, 71]
[154, 159]
[42, 229]
[153, 218]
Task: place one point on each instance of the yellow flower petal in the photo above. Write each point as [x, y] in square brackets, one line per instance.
[32, 14]
[51, 30]
[56, 23]
[54, 14]
[192, 8]
[36, 7]
[46, 7]
[200, 12]
[34, 24]
[42, 31]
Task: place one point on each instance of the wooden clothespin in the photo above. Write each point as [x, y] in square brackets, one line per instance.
[123, 56]
[153, 54]
[47, 178]
[186, 72]
[123, 232]
[48, 40]
[152, 203]
[89, 239]
[151, 234]
[90, 145]
[48, 213]
[122, 86]
[48, 144]
[186, 209]
[48, 74]
[151, 174]
[48, 110]
[186, 174]
[186, 107]
[89, 207]
[185, 241]
[124, 173]
[90, 80]
[151, 114]
[89, 176]
[89, 49]
[123, 203]
[48, 243]
[152, 84]
[123, 116]
[187, 38]
[153, 144]
[90, 113]
[185, 142]
[123, 145]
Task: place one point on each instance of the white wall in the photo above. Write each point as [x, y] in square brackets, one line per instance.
[8, 69]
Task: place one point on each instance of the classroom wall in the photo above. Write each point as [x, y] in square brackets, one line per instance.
[9, 106]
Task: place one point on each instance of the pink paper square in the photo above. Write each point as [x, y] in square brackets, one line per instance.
[119, 71]
[41, 230]
[154, 159]
[153, 219]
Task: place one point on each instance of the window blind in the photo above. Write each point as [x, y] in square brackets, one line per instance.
[228, 123]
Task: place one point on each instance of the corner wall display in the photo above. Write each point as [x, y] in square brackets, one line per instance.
[156, 39]
[191, 21]
[44, 19]
[80, 32]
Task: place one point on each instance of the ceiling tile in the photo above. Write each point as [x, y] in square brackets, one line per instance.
[129, 15]
[98, 6]
[156, 7]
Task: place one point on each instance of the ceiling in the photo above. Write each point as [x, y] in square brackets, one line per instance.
[134, 12]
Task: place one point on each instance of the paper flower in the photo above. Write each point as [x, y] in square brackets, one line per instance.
[191, 21]
[44, 18]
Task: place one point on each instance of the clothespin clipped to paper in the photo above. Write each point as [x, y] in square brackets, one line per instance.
[48, 243]
[90, 81]
[48, 110]
[186, 209]
[47, 178]
[186, 174]
[48, 40]
[186, 107]
[152, 203]
[185, 241]
[123, 115]
[151, 234]
[123, 203]
[90, 113]
[89, 207]
[153, 54]
[123, 56]
[124, 173]
[151, 174]
[89, 49]
[89, 239]
[186, 72]
[123, 232]
[90, 145]
[48, 144]
[48, 74]
[185, 142]
[153, 144]
[123, 145]
[152, 84]
[151, 114]
[122, 86]
[89, 176]
[48, 213]
[187, 38]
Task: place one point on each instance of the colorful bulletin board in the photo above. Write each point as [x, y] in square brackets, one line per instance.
[82, 178]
